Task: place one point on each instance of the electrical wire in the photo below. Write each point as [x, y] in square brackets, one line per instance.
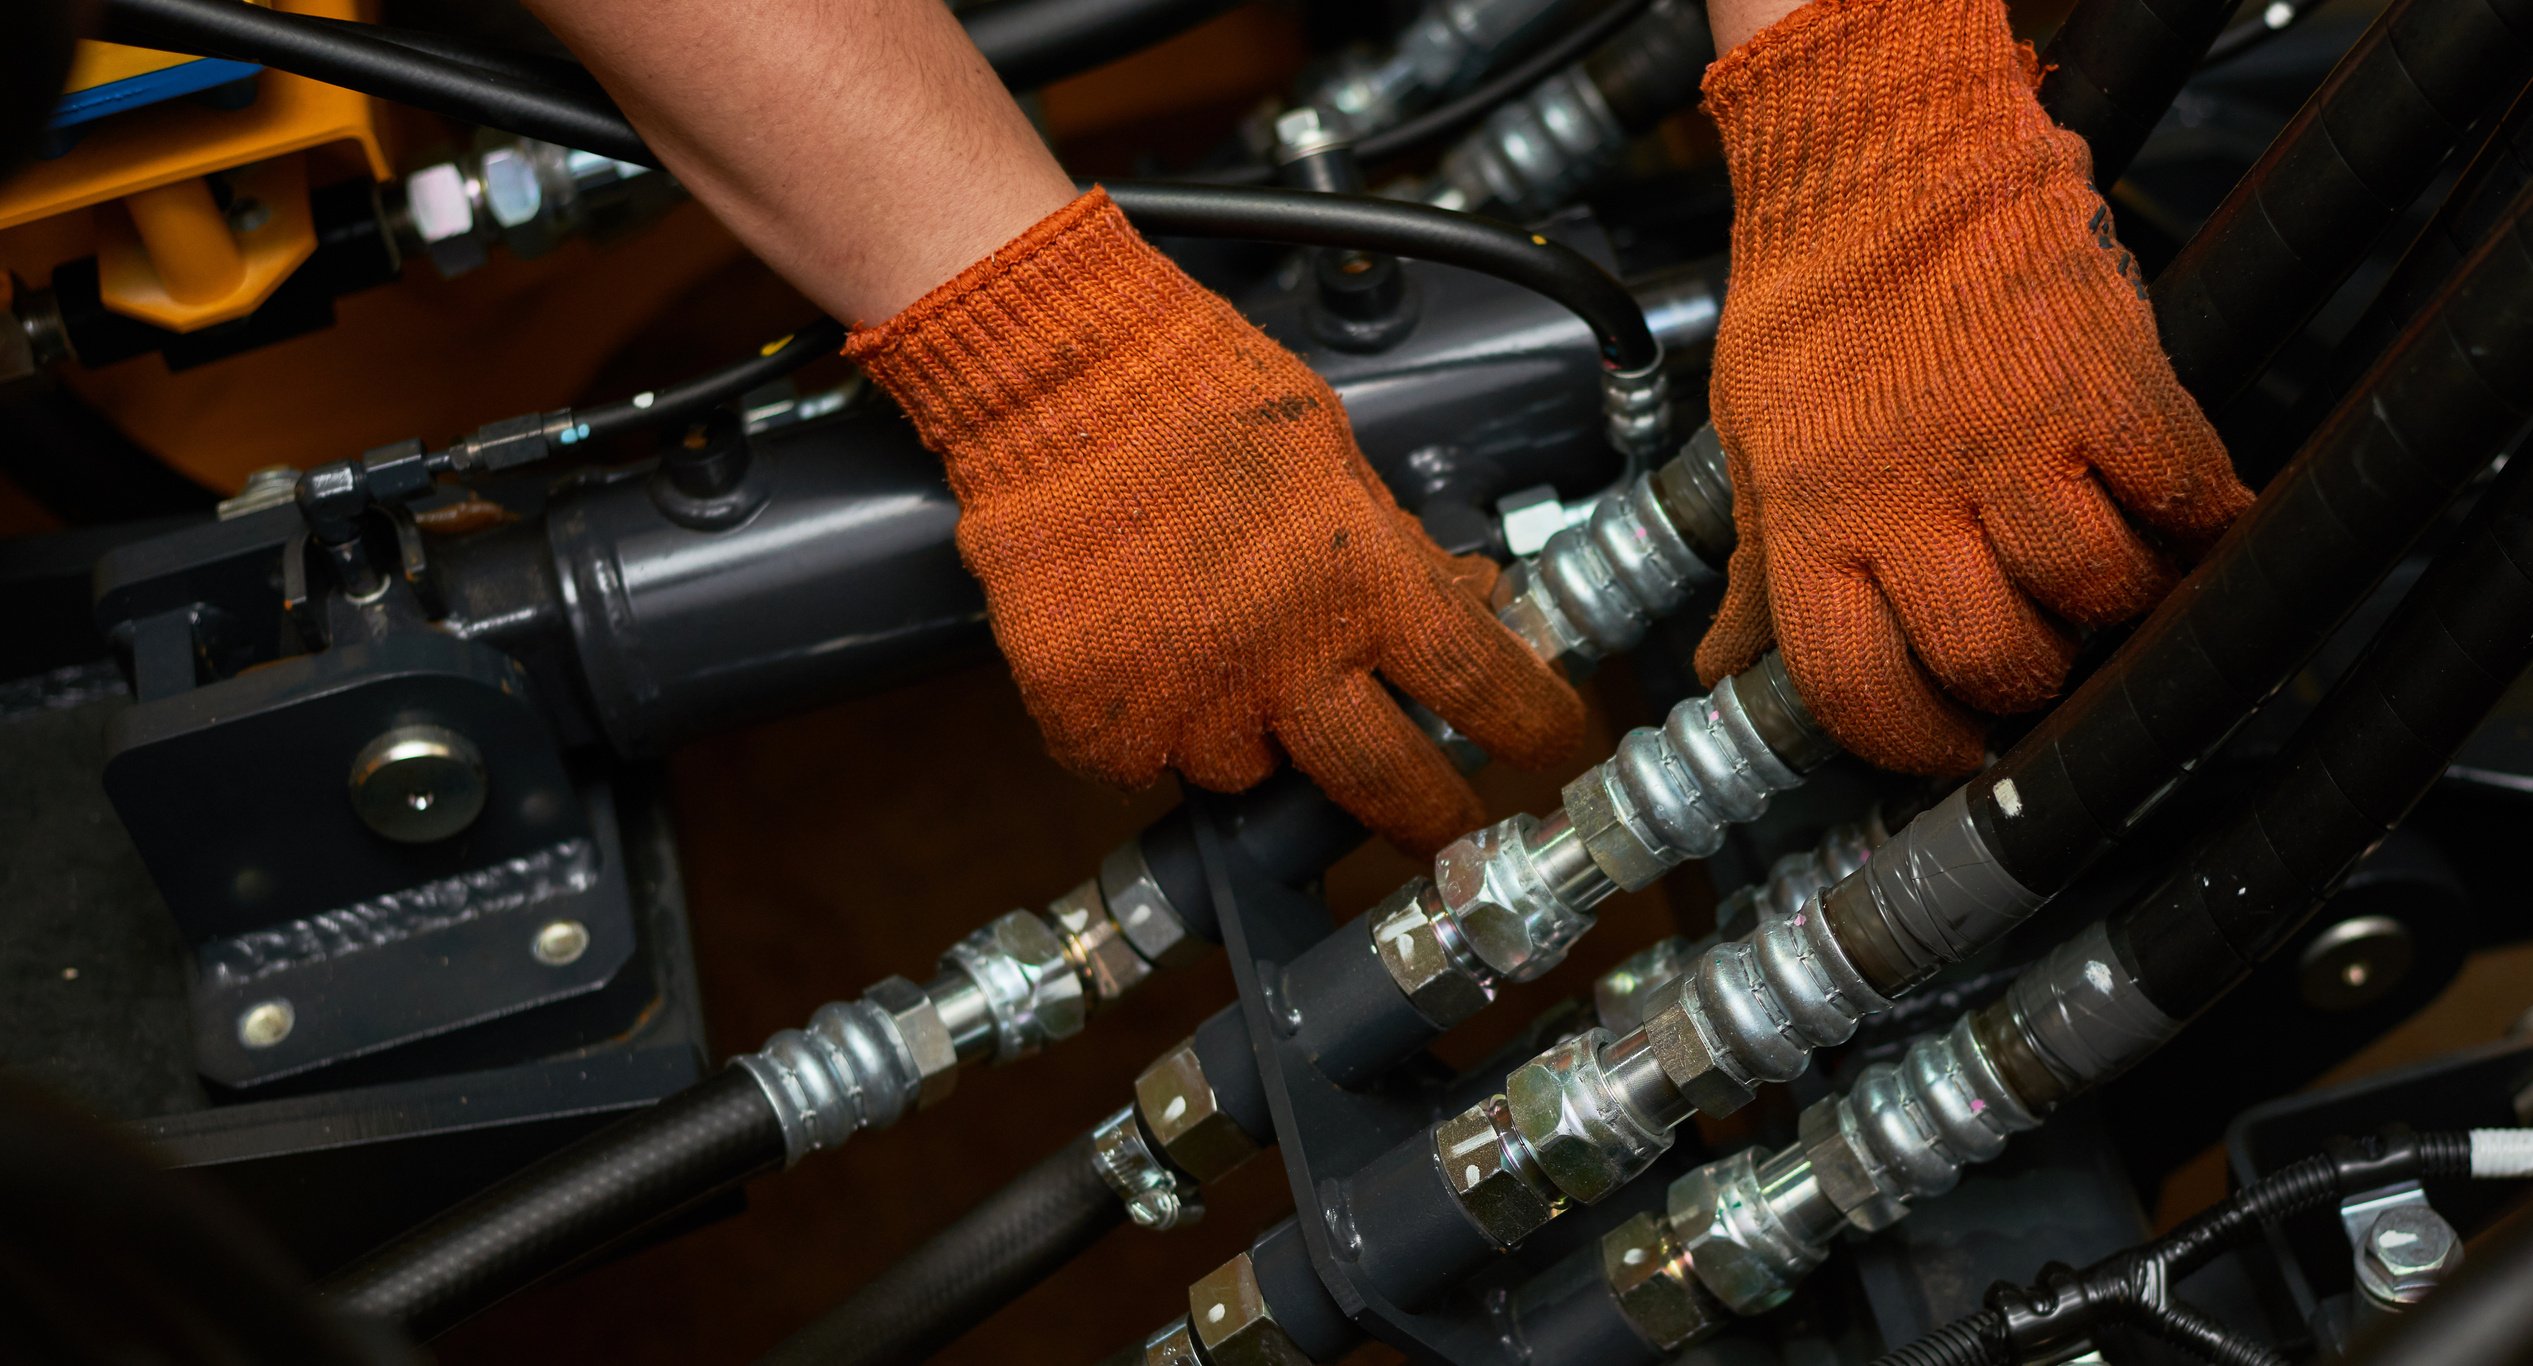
[694, 397]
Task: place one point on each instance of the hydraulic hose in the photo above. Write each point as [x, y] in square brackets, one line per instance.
[962, 1274]
[2334, 179]
[374, 66]
[2115, 66]
[1388, 226]
[575, 1202]
[1030, 43]
[2480, 196]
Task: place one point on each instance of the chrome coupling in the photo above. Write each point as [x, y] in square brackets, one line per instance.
[1636, 407]
[1520, 892]
[1669, 794]
[859, 1065]
[1142, 910]
[1737, 1240]
[1532, 154]
[1423, 950]
[1493, 1173]
[1642, 981]
[1594, 588]
[1587, 1130]
[1155, 1196]
[1906, 1129]
[1032, 990]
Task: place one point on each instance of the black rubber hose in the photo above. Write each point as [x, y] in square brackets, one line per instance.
[695, 397]
[2480, 197]
[2378, 742]
[538, 1221]
[2483, 1317]
[962, 1274]
[1032, 42]
[374, 66]
[2114, 67]
[535, 68]
[2332, 181]
[1368, 223]
[1972, 1340]
[2445, 400]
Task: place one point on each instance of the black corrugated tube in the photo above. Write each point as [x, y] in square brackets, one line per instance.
[962, 1274]
[703, 1139]
[2135, 1286]
[2402, 99]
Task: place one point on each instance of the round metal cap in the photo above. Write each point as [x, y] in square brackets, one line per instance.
[2355, 962]
[419, 783]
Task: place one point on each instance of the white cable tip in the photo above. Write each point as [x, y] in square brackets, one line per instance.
[2501, 1153]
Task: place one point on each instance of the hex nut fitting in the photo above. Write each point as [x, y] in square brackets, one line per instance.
[1846, 1172]
[1031, 988]
[1143, 911]
[1513, 922]
[1180, 1112]
[1232, 1322]
[1641, 982]
[440, 203]
[1109, 966]
[920, 1031]
[1486, 1169]
[1585, 1138]
[1689, 1060]
[1420, 946]
[1649, 1276]
[1731, 1237]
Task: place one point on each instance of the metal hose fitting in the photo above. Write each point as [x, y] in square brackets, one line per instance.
[1668, 795]
[1640, 984]
[1532, 154]
[1595, 587]
[1902, 1133]
[1447, 45]
[859, 1065]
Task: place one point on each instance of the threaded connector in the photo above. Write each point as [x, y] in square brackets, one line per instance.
[1594, 588]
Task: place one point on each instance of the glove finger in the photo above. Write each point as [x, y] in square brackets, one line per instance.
[1742, 630]
[2167, 468]
[1444, 648]
[1354, 742]
[1226, 752]
[2066, 545]
[1986, 642]
[1849, 660]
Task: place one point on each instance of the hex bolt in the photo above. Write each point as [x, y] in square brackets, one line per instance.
[266, 1023]
[561, 942]
[2409, 1251]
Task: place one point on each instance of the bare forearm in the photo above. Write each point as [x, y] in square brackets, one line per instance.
[1734, 21]
[861, 147]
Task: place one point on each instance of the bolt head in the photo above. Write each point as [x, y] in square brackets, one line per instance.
[266, 1023]
[418, 784]
[2409, 1250]
[559, 943]
[1470, 1149]
[1408, 931]
[1179, 1110]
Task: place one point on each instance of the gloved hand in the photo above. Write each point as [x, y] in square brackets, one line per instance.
[1937, 382]
[1183, 551]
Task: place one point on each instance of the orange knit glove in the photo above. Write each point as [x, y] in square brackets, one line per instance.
[1182, 549]
[1937, 382]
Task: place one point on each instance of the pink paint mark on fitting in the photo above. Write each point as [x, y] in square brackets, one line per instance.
[1799, 918]
[1978, 1106]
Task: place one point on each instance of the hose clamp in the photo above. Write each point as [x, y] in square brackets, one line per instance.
[1155, 1197]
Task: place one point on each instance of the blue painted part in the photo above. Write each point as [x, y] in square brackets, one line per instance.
[148, 88]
